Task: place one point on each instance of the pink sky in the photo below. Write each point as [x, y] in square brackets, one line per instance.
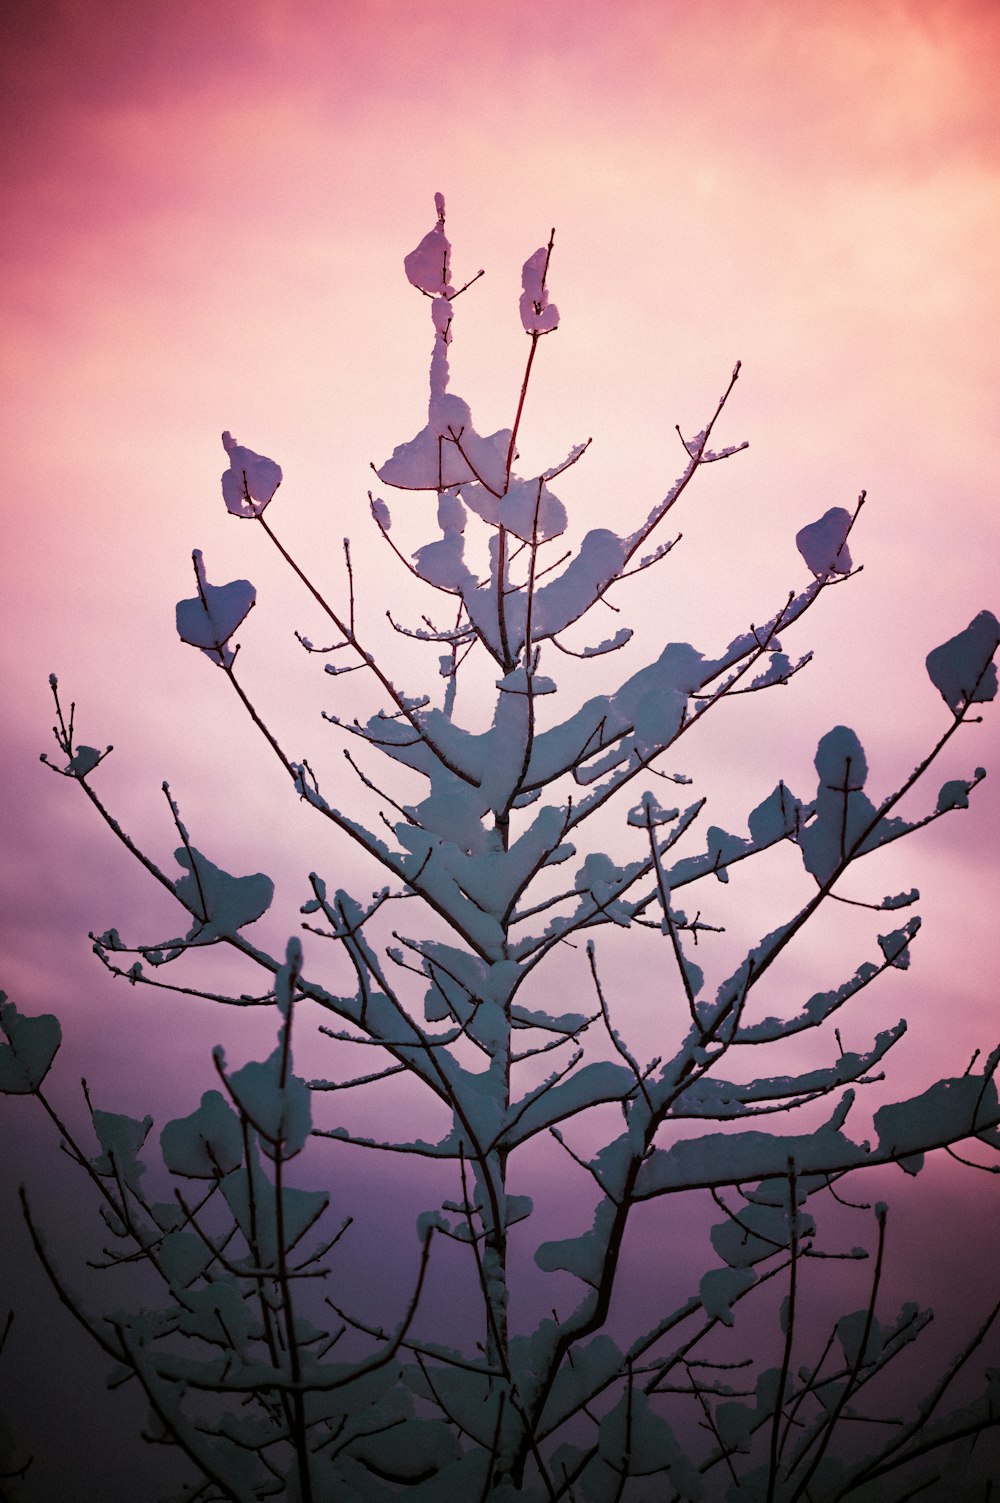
[206, 211]
[206, 218]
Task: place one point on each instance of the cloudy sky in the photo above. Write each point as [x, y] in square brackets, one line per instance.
[206, 210]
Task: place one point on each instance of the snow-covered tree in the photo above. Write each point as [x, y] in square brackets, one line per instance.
[273, 1390]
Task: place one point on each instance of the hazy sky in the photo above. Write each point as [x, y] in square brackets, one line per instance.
[206, 209]
[205, 218]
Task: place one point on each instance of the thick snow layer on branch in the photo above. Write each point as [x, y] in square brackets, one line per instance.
[429, 265]
[720, 1100]
[210, 619]
[469, 1397]
[538, 315]
[26, 1058]
[251, 480]
[527, 508]
[845, 821]
[757, 1233]
[121, 1138]
[442, 563]
[633, 1439]
[411, 1453]
[381, 513]
[584, 1255]
[447, 451]
[647, 709]
[564, 599]
[823, 544]
[205, 1145]
[221, 904]
[276, 1102]
[945, 1113]
[735, 1158]
[720, 1288]
[950, 1111]
[599, 1081]
[961, 668]
[220, 1315]
[648, 813]
[816, 1010]
[595, 1364]
[255, 1209]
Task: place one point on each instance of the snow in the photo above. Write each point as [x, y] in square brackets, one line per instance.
[443, 563]
[596, 1363]
[780, 668]
[468, 1396]
[610, 644]
[955, 794]
[900, 899]
[720, 1288]
[429, 265]
[735, 1424]
[649, 812]
[720, 1159]
[647, 710]
[845, 822]
[823, 544]
[31, 1046]
[184, 1257]
[538, 315]
[814, 1013]
[216, 612]
[85, 760]
[277, 1103]
[894, 946]
[571, 458]
[230, 903]
[381, 513]
[582, 1256]
[255, 1214]
[774, 818]
[562, 600]
[441, 316]
[411, 1450]
[851, 1333]
[520, 681]
[447, 451]
[632, 1437]
[961, 668]
[601, 1080]
[721, 1100]
[842, 811]
[455, 815]
[529, 510]
[206, 1144]
[946, 1112]
[218, 1314]
[121, 1138]
[251, 480]
[451, 513]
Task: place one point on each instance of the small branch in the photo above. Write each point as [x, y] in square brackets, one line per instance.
[779, 1398]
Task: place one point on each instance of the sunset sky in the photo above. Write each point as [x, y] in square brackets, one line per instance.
[206, 207]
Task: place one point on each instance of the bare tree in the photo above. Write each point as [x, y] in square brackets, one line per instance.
[253, 1359]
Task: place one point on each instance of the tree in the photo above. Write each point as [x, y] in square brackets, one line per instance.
[273, 1389]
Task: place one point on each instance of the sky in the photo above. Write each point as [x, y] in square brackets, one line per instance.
[206, 210]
